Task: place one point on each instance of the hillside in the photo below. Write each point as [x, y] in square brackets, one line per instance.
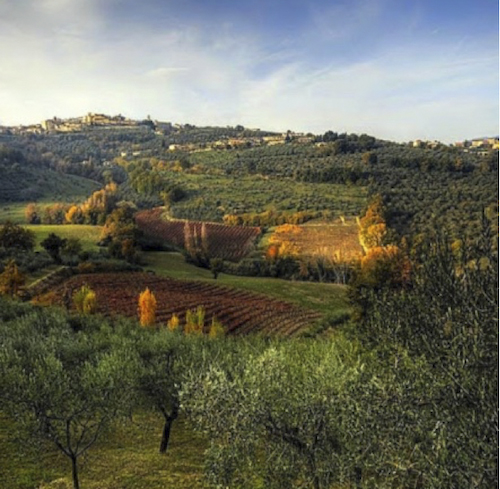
[285, 315]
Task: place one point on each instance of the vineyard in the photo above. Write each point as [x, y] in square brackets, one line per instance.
[337, 241]
[219, 241]
[241, 312]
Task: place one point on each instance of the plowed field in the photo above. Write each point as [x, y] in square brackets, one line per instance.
[241, 312]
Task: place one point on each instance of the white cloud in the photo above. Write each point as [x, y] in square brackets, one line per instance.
[65, 58]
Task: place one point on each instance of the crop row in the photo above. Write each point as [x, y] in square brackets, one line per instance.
[217, 240]
[241, 312]
[339, 241]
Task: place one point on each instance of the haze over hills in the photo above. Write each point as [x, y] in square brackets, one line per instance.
[102, 121]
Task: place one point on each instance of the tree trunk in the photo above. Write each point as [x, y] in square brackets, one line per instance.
[74, 466]
[169, 421]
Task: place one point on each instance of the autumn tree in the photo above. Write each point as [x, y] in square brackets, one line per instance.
[385, 265]
[85, 300]
[216, 328]
[173, 323]
[32, 214]
[147, 308]
[11, 279]
[74, 215]
[372, 226]
[195, 321]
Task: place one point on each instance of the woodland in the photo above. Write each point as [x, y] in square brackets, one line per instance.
[321, 313]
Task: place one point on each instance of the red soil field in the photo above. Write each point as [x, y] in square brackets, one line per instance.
[241, 312]
[227, 242]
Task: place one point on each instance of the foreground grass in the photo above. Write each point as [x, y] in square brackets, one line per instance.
[126, 458]
[325, 298]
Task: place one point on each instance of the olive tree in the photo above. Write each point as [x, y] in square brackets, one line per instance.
[278, 418]
[62, 386]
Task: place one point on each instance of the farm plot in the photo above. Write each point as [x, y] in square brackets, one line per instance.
[241, 312]
[219, 241]
[334, 241]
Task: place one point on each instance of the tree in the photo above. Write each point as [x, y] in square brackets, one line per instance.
[53, 244]
[64, 387]
[437, 342]
[11, 279]
[195, 321]
[72, 247]
[13, 236]
[277, 414]
[216, 266]
[147, 308]
[173, 323]
[159, 377]
[372, 226]
[74, 215]
[216, 328]
[85, 300]
[32, 213]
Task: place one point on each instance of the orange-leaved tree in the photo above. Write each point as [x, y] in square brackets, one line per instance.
[147, 308]
[372, 226]
[385, 265]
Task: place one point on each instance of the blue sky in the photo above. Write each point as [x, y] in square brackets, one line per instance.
[398, 70]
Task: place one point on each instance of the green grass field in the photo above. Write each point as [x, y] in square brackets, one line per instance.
[325, 298]
[125, 458]
[57, 189]
[87, 234]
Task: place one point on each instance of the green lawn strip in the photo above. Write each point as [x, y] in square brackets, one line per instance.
[125, 458]
[324, 298]
[13, 211]
[87, 234]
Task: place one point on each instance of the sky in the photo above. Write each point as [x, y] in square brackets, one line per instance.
[395, 69]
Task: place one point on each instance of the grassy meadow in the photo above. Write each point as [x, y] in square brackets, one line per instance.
[324, 298]
[113, 463]
[87, 234]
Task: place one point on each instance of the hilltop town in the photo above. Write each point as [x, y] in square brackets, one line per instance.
[246, 137]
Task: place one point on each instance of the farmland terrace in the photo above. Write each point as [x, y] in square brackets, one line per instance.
[241, 312]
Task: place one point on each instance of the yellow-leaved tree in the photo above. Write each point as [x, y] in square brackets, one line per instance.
[195, 320]
[85, 300]
[216, 328]
[147, 308]
[173, 323]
